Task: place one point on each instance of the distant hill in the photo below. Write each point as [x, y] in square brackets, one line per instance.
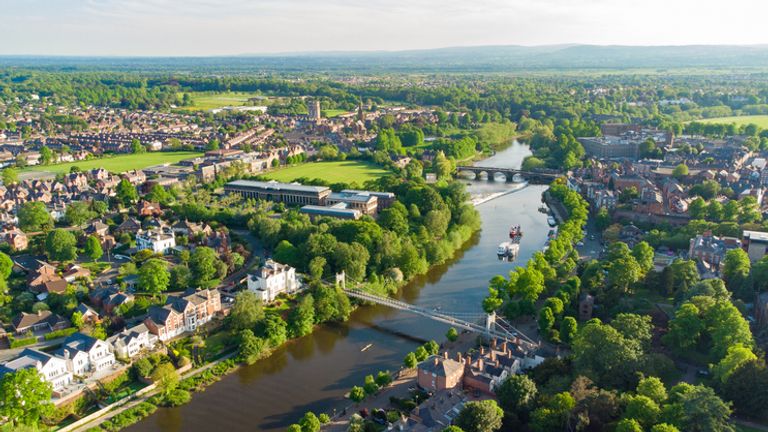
[478, 58]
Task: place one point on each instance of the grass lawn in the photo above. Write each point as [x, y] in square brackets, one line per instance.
[203, 101]
[333, 112]
[760, 120]
[217, 342]
[119, 163]
[333, 172]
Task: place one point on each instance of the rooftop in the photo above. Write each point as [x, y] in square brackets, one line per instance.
[276, 186]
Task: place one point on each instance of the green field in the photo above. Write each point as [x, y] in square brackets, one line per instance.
[118, 164]
[760, 120]
[333, 112]
[333, 172]
[203, 101]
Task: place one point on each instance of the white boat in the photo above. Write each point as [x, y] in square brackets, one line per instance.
[551, 221]
[508, 250]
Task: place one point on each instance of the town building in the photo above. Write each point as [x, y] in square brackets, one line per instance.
[158, 240]
[51, 368]
[340, 212]
[273, 279]
[183, 314]
[85, 355]
[366, 203]
[288, 193]
[755, 243]
[440, 373]
[130, 342]
[43, 321]
[313, 107]
[710, 250]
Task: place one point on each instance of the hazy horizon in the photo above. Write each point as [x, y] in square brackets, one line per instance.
[172, 28]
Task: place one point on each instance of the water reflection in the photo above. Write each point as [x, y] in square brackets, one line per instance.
[314, 372]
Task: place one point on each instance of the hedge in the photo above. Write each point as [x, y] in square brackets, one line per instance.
[60, 333]
[18, 343]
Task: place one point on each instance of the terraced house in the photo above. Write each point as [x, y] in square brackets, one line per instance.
[183, 314]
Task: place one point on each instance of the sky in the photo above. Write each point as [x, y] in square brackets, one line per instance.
[234, 27]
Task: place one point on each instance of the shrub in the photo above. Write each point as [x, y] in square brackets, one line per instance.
[18, 343]
[177, 397]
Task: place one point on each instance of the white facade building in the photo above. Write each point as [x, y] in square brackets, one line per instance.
[52, 369]
[273, 279]
[157, 240]
[85, 355]
[130, 342]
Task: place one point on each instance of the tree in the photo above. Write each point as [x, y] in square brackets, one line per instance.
[203, 265]
[93, 248]
[546, 321]
[33, 216]
[664, 427]
[99, 332]
[517, 394]
[628, 425]
[317, 267]
[680, 171]
[736, 267]
[554, 415]
[697, 208]
[410, 361]
[604, 355]
[700, 410]
[159, 194]
[301, 319]
[443, 166]
[686, 327]
[653, 388]
[181, 277]
[78, 213]
[252, 348]
[165, 378]
[154, 276]
[10, 176]
[212, 144]
[568, 329]
[738, 355]
[126, 192]
[747, 389]
[46, 155]
[644, 255]
[383, 378]
[602, 219]
[246, 311]
[480, 416]
[26, 397]
[452, 334]
[310, 423]
[370, 385]
[6, 266]
[136, 147]
[634, 327]
[61, 245]
[77, 320]
[643, 409]
[274, 329]
[357, 394]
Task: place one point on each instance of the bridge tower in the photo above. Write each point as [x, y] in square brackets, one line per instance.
[341, 280]
[490, 321]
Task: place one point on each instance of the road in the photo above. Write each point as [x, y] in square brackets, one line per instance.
[257, 255]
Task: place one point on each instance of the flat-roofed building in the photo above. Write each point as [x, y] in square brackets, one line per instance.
[337, 212]
[366, 203]
[385, 199]
[287, 193]
[755, 243]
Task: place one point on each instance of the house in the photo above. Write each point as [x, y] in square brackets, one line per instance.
[159, 240]
[149, 209]
[440, 373]
[45, 321]
[183, 314]
[188, 228]
[129, 225]
[272, 279]
[52, 369]
[85, 355]
[15, 238]
[129, 342]
[710, 250]
[39, 275]
[97, 228]
[110, 298]
[87, 313]
[75, 272]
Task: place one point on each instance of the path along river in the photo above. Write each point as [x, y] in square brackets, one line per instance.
[314, 372]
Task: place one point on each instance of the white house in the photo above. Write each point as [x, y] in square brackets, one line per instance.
[131, 341]
[273, 279]
[52, 369]
[86, 355]
[157, 240]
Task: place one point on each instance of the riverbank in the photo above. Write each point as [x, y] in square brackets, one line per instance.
[314, 373]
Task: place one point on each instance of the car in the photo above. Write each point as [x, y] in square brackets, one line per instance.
[580, 244]
[592, 237]
[122, 257]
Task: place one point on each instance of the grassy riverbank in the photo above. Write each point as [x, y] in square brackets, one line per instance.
[118, 163]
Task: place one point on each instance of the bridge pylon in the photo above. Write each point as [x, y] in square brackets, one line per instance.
[490, 321]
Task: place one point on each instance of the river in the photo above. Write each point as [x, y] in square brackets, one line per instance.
[314, 372]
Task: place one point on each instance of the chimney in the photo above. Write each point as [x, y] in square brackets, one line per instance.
[493, 356]
[504, 347]
[480, 363]
[437, 360]
[445, 355]
[459, 358]
[482, 350]
[493, 343]
[66, 354]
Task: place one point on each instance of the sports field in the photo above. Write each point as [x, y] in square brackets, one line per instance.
[119, 163]
[333, 112]
[333, 172]
[760, 120]
[204, 101]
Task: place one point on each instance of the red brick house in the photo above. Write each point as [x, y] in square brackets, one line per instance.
[183, 314]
